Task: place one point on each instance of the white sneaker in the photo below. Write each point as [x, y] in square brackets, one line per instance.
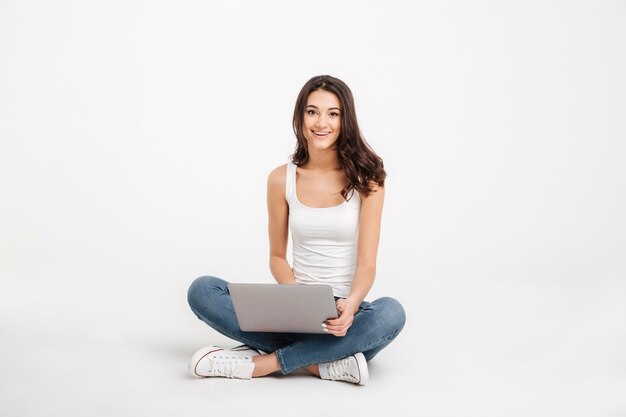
[227, 363]
[351, 369]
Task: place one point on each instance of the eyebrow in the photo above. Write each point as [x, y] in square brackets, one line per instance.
[330, 108]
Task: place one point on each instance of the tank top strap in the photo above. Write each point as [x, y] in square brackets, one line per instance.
[290, 182]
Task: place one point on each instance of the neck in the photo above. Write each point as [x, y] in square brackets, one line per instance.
[322, 160]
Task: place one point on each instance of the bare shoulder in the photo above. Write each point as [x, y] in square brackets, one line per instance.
[278, 174]
[276, 179]
[377, 193]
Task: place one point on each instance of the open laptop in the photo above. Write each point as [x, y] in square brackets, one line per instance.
[288, 308]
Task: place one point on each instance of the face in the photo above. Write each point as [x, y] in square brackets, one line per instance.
[322, 119]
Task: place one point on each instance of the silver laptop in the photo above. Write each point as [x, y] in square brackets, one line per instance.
[288, 308]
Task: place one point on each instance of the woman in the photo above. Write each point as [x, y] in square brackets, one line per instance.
[335, 218]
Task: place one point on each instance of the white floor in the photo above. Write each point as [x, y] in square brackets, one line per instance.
[484, 349]
[130, 162]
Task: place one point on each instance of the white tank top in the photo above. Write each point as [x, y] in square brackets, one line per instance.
[324, 239]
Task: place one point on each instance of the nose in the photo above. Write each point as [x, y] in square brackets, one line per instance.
[321, 121]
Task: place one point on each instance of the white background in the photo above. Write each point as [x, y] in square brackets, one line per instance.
[136, 140]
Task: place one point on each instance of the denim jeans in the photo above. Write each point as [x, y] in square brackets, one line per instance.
[374, 327]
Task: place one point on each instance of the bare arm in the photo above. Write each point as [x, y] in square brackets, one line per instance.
[278, 226]
[365, 271]
[369, 236]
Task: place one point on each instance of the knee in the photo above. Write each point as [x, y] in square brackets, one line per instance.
[393, 313]
[203, 287]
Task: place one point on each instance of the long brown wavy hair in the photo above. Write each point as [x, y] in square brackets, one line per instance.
[358, 160]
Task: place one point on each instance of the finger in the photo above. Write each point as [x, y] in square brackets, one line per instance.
[343, 319]
[338, 329]
[332, 326]
[335, 322]
[338, 332]
[334, 330]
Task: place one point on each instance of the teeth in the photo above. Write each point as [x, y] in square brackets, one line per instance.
[321, 133]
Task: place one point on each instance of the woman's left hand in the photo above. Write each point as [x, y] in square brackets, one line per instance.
[339, 326]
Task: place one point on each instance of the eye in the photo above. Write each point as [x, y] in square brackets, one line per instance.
[334, 114]
[310, 111]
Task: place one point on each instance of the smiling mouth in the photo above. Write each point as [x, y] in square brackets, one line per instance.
[320, 134]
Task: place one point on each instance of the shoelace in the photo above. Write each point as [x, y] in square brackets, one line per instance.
[244, 348]
[225, 365]
[340, 370]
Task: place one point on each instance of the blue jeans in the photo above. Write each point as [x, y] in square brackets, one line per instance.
[374, 326]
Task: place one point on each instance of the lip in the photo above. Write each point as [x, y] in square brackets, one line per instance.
[318, 136]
